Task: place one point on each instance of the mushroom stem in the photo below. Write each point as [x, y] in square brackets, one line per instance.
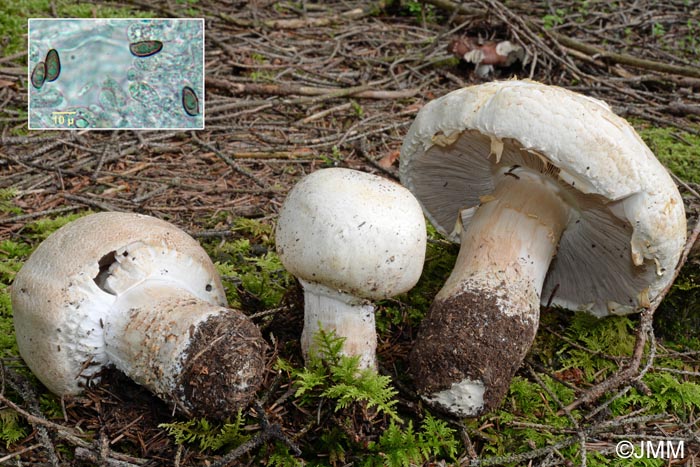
[184, 349]
[350, 317]
[484, 319]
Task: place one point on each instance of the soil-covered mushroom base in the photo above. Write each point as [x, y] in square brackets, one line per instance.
[467, 337]
[223, 366]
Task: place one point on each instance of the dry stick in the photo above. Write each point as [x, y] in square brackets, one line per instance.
[680, 109]
[299, 90]
[63, 432]
[22, 140]
[19, 453]
[9, 58]
[298, 23]
[101, 160]
[48, 212]
[269, 155]
[631, 372]
[94, 203]
[23, 389]
[87, 455]
[600, 407]
[44, 149]
[682, 183]
[266, 104]
[523, 458]
[230, 161]
[625, 59]
[146, 196]
[323, 113]
[14, 71]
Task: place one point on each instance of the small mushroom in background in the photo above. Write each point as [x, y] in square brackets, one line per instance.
[349, 237]
[487, 55]
[137, 293]
[553, 197]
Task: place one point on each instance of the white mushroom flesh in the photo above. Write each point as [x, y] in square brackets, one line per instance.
[350, 237]
[350, 317]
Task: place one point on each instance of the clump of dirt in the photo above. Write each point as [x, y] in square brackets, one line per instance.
[223, 366]
[467, 336]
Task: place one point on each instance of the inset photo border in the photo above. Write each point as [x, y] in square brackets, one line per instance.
[109, 74]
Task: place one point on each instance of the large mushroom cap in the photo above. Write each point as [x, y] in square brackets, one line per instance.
[354, 232]
[60, 297]
[628, 224]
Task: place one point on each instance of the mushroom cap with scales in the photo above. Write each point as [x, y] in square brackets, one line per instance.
[627, 227]
[63, 293]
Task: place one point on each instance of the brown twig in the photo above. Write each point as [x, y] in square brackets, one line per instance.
[34, 215]
[233, 164]
[362, 91]
[625, 59]
[313, 22]
[102, 205]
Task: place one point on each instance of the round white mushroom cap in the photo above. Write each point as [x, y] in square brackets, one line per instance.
[628, 227]
[354, 232]
[62, 295]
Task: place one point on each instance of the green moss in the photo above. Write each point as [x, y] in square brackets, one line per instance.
[208, 435]
[676, 149]
[11, 429]
[678, 317]
[449, 62]
[8, 344]
[14, 15]
[13, 22]
[253, 274]
[71, 9]
[40, 229]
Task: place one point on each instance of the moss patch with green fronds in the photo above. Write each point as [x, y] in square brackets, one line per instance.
[678, 150]
[678, 317]
[15, 13]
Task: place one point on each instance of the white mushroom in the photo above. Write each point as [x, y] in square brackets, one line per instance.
[349, 237]
[138, 293]
[553, 196]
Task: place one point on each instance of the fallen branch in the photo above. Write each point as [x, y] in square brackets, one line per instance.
[102, 205]
[363, 91]
[625, 59]
[88, 455]
[19, 453]
[681, 110]
[34, 215]
[298, 23]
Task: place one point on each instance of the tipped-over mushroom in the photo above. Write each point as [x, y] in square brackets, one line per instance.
[138, 293]
[554, 197]
[349, 237]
